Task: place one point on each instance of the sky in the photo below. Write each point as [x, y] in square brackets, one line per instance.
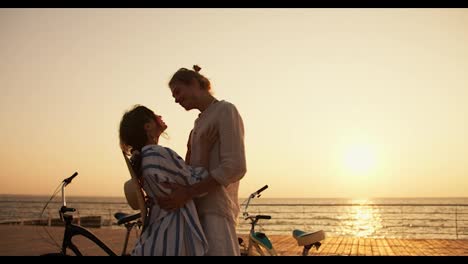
[336, 103]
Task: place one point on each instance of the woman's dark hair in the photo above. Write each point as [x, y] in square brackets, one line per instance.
[186, 76]
[132, 133]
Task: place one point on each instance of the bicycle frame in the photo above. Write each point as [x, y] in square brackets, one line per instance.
[72, 230]
[257, 240]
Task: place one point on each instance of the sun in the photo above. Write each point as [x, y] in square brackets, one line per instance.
[360, 159]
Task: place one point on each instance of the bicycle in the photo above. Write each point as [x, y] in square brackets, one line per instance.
[263, 245]
[71, 230]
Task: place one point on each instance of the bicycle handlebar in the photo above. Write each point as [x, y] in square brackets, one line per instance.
[65, 183]
[259, 191]
[67, 209]
[253, 195]
[69, 179]
[263, 217]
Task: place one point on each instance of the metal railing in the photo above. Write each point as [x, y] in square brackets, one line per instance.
[400, 220]
[444, 221]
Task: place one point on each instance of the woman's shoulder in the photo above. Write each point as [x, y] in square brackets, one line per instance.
[173, 153]
[152, 148]
[164, 151]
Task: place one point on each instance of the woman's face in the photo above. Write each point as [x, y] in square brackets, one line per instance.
[155, 127]
[160, 123]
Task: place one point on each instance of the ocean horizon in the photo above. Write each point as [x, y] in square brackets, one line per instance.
[402, 217]
[242, 197]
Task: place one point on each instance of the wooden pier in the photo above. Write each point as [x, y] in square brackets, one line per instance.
[17, 240]
[358, 246]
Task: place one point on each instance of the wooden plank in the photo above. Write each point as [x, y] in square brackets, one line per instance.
[374, 248]
[325, 248]
[315, 252]
[335, 246]
[465, 247]
[320, 250]
[458, 243]
[341, 249]
[450, 248]
[386, 248]
[380, 247]
[410, 246]
[426, 247]
[393, 247]
[355, 246]
[439, 247]
[282, 239]
[433, 247]
[421, 246]
[294, 249]
[291, 250]
[361, 247]
[367, 246]
[461, 245]
[284, 245]
[418, 248]
[458, 248]
[348, 246]
[403, 250]
[280, 243]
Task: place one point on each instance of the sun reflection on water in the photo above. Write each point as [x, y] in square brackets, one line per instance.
[365, 219]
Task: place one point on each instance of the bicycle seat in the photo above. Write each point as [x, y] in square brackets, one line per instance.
[308, 238]
[123, 218]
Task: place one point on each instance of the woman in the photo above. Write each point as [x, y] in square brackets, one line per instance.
[172, 231]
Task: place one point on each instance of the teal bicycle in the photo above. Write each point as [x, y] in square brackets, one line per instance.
[260, 245]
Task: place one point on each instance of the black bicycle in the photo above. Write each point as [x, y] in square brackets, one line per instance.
[71, 229]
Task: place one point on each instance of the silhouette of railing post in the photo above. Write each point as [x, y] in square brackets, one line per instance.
[456, 221]
[402, 222]
[303, 216]
[49, 217]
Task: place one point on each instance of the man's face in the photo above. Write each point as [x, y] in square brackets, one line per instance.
[185, 95]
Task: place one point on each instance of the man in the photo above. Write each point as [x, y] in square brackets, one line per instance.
[216, 197]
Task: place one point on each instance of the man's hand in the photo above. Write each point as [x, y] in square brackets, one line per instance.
[179, 196]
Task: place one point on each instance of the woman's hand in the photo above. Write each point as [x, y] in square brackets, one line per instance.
[179, 196]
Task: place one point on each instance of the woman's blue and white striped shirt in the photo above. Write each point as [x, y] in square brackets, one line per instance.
[169, 233]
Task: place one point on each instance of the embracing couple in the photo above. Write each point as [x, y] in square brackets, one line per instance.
[195, 205]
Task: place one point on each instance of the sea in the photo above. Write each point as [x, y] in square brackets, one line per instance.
[413, 218]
